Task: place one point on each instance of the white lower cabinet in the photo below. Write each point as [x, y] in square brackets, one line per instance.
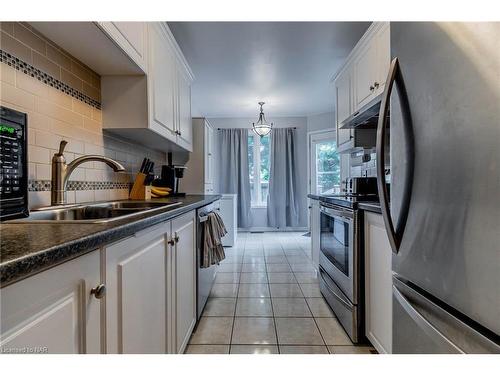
[137, 295]
[378, 283]
[53, 311]
[183, 281]
[315, 231]
[136, 281]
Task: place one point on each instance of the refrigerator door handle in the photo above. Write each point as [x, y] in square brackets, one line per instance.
[424, 324]
[395, 233]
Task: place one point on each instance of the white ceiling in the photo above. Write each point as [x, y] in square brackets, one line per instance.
[286, 64]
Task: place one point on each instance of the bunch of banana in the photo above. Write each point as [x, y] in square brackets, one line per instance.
[160, 192]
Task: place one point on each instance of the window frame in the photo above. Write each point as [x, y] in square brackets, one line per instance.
[257, 182]
[315, 138]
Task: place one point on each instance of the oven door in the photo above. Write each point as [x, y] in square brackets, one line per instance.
[337, 248]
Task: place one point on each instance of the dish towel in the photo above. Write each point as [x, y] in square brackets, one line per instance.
[213, 230]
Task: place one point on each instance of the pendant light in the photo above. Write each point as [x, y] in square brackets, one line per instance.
[262, 128]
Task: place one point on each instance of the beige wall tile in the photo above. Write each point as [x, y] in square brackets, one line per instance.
[38, 154]
[57, 112]
[66, 130]
[96, 81]
[8, 27]
[45, 65]
[78, 174]
[71, 80]
[15, 47]
[81, 72]
[38, 199]
[7, 74]
[47, 140]
[31, 171]
[75, 145]
[60, 98]
[29, 38]
[58, 57]
[92, 125]
[30, 84]
[82, 108]
[102, 195]
[70, 197]
[43, 172]
[31, 136]
[18, 97]
[84, 196]
[38, 121]
[91, 91]
[97, 115]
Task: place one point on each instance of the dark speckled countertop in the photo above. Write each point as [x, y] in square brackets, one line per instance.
[28, 248]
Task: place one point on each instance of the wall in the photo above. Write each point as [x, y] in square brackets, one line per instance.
[321, 121]
[260, 214]
[61, 97]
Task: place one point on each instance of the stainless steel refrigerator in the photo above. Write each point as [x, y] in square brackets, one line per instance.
[442, 104]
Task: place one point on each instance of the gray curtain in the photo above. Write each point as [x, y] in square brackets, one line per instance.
[282, 200]
[234, 171]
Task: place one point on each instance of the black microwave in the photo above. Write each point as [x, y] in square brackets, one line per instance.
[13, 164]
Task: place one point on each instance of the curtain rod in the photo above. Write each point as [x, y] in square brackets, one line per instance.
[293, 127]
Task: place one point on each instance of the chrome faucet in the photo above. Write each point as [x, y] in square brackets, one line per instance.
[61, 172]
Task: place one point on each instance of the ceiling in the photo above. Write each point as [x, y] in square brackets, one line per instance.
[286, 64]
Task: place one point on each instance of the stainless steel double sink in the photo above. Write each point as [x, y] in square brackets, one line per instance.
[100, 212]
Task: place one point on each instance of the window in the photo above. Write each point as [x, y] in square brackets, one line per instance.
[258, 164]
[325, 166]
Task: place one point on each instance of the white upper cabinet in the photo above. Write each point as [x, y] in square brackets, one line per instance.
[199, 175]
[184, 126]
[54, 311]
[366, 73]
[131, 37]
[161, 81]
[343, 96]
[362, 78]
[153, 109]
[371, 65]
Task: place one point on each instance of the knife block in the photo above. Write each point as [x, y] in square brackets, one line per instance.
[139, 190]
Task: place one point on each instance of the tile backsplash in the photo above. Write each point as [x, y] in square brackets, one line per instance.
[61, 97]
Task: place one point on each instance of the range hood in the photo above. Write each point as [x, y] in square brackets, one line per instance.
[366, 117]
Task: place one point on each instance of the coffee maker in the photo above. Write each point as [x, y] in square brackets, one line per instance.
[170, 176]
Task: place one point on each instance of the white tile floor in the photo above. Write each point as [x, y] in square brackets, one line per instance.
[266, 300]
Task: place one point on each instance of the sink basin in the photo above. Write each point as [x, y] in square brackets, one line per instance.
[103, 212]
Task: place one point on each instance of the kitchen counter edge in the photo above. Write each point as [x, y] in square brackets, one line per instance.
[29, 263]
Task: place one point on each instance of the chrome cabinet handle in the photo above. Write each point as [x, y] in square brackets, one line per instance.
[395, 234]
[176, 238]
[171, 242]
[372, 88]
[376, 85]
[99, 291]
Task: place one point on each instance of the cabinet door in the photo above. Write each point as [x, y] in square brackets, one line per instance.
[209, 160]
[315, 232]
[161, 79]
[53, 311]
[136, 311]
[343, 105]
[185, 124]
[184, 279]
[131, 37]
[378, 283]
[366, 73]
[384, 57]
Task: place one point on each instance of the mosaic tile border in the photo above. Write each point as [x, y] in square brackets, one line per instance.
[30, 70]
[45, 185]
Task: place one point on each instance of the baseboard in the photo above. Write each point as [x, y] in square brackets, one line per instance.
[271, 229]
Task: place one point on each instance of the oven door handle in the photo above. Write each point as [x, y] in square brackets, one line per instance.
[340, 298]
[335, 212]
